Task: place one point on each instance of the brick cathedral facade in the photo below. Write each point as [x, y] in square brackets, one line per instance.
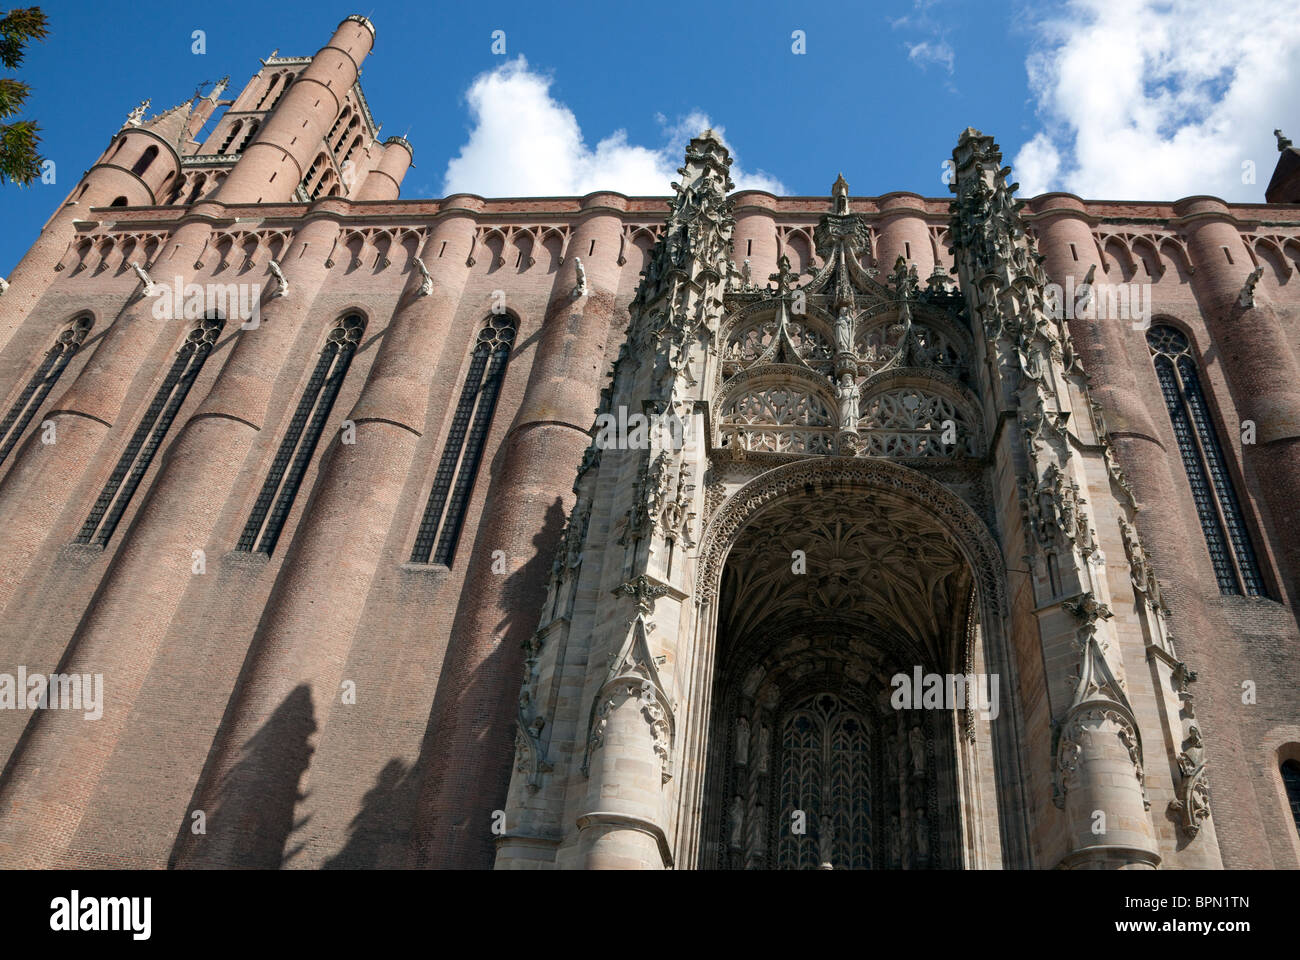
[380, 567]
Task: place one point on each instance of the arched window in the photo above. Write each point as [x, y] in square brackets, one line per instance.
[234, 132]
[1217, 504]
[1291, 780]
[281, 487]
[342, 119]
[119, 202]
[351, 150]
[309, 180]
[445, 512]
[283, 90]
[199, 182]
[149, 434]
[248, 137]
[145, 160]
[270, 88]
[38, 387]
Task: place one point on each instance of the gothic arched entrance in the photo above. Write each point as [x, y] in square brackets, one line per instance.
[826, 579]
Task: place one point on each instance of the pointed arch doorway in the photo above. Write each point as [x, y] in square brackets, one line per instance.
[822, 581]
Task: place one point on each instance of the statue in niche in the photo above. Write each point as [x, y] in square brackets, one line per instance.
[737, 815]
[895, 847]
[757, 848]
[742, 741]
[846, 392]
[826, 848]
[917, 739]
[764, 742]
[844, 331]
[922, 836]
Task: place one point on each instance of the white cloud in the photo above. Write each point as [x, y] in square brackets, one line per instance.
[1153, 99]
[525, 143]
[931, 52]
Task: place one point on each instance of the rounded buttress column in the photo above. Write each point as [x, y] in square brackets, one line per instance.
[146, 583]
[1104, 805]
[99, 187]
[296, 663]
[621, 824]
[471, 732]
[40, 484]
[273, 165]
[384, 182]
[1261, 366]
[903, 232]
[754, 237]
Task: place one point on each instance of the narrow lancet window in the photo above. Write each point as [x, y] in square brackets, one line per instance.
[454, 481]
[276, 498]
[149, 434]
[42, 381]
[1217, 505]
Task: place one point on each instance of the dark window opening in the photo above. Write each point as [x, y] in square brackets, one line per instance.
[444, 513]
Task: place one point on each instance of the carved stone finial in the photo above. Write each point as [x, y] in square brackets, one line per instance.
[1283, 143]
[283, 289]
[426, 284]
[144, 278]
[1247, 297]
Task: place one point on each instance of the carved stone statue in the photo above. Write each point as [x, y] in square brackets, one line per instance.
[846, 392]
[826, 847]
[922, 835]
[895, 846]
[737, 815]
[917, 740]
[764, 745]
[844, 331]
[144, 278]
[580, 288]
[426, 284]
[1247, 298]
[283, 289]
[742, 741]
[746, 276]
[136, 116]
[840, 197]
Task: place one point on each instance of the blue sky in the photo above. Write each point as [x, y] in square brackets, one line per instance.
[1115, 100]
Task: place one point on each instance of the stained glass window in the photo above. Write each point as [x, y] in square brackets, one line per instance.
[42, 381]
[454, 480]
[1291, 780]
[149, 434]
[1217, 505]
[305, 428]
